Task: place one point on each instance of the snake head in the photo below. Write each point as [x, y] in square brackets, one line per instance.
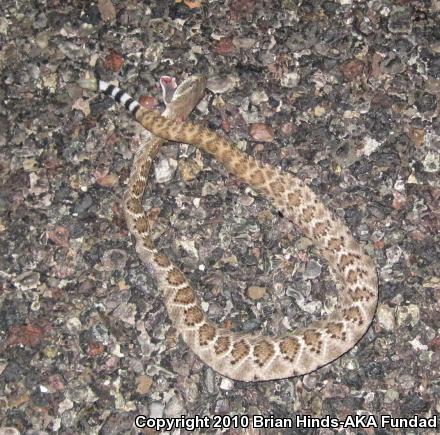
[179, 99]
[194, 85]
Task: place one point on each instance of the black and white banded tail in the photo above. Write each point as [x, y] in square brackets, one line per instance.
[119, 96]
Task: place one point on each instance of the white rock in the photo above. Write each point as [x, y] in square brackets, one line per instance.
[164, 170]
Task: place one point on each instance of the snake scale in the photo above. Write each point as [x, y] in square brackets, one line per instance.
[249, 356]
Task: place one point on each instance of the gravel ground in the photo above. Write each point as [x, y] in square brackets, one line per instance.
[344, 94]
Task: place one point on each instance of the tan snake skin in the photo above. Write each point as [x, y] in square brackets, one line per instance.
[251, 357]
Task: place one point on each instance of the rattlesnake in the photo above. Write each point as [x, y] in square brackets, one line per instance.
[250, 357]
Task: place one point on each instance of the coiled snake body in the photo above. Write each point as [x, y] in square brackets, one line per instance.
[249, 357]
